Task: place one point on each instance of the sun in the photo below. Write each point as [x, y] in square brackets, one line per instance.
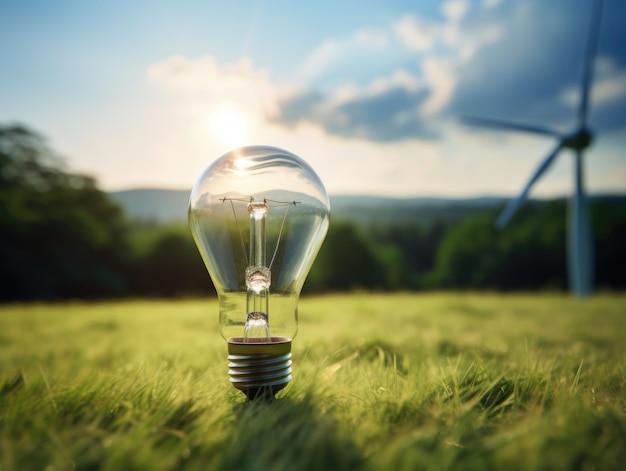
[228, 125]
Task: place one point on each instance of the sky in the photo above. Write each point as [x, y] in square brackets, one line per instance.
[148, 93]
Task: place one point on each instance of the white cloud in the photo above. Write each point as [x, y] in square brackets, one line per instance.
[610, 81]
[428, 92]
[319, 59]
[441, 80]
[454, 10]
[203, 81]
[604, 65]
[416, 33]
[399, 78]
[610, 88]
[609, 85]
[468, 47]
[336, 52]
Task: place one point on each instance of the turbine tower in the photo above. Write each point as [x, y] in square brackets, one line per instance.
[580, 239]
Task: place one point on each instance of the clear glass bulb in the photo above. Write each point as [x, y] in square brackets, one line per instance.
[258, 215]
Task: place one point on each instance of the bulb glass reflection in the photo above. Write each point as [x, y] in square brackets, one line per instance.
[258, 216]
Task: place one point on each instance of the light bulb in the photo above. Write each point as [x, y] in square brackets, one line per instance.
[259, 216]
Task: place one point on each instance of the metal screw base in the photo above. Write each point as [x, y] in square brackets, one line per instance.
[259, 368]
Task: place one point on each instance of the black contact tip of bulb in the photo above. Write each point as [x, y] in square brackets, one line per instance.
[262, 394]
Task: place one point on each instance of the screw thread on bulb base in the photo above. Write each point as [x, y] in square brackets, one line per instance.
[259, 368]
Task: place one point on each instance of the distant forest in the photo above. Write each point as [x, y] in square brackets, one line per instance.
[61, 237]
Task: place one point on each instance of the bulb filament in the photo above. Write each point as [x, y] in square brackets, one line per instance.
[258, 274]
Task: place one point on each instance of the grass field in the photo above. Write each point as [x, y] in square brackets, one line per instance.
[402, 382]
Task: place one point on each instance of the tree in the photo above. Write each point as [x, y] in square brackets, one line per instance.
[410, 250]
[172, 267]
[347, 260]
[609, 221]
[60, 237]
[528, 254]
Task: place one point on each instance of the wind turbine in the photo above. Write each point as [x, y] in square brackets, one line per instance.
[580, 242]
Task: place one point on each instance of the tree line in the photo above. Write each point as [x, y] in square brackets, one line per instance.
[63, 238]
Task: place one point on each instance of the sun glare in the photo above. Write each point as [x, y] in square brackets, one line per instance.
[228, 125]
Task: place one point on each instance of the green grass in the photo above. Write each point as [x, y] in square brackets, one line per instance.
[402, 382]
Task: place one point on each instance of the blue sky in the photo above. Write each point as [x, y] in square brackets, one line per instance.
[149, 93]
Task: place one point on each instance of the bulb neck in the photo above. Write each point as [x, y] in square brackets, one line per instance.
[258, 367]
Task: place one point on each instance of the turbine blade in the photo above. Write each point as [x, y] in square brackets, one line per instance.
[592, 46]
[497, 124]
[514, 204]
[580, 241]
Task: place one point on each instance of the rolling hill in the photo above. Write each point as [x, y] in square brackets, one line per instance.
[160, 205]
[165, 206]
